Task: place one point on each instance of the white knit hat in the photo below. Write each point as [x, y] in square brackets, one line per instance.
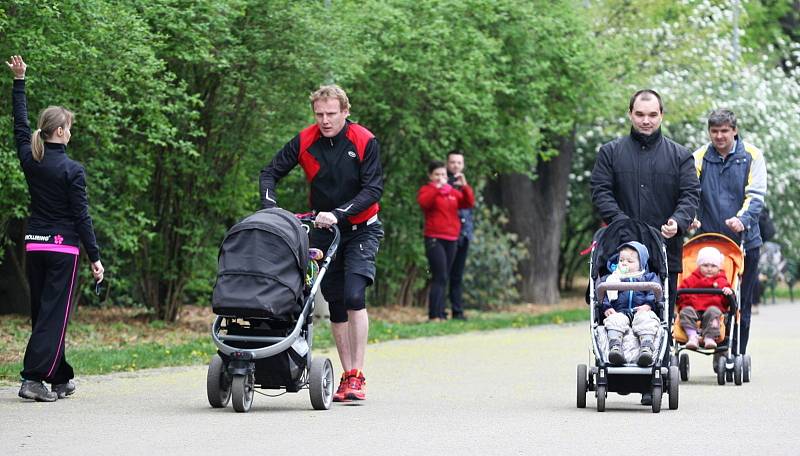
[709, 255]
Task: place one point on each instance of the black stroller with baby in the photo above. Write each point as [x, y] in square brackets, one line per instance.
[264, 301]
[600, 376]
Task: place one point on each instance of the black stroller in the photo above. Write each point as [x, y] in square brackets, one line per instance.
[601, 377]
[264, 301]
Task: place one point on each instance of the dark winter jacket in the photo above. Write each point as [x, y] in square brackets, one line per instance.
[732, 187]
[627, 301]
[467, 225]
[702, 302]
[59, 205]
[648, 178]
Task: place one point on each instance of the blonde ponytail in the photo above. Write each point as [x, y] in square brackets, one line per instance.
[37, 145]
[50, 119]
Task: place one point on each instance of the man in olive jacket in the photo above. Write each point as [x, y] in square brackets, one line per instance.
[648, 177]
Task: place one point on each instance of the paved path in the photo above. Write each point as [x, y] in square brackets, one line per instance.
[504, 392]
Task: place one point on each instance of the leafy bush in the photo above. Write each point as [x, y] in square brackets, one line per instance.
[491, 274]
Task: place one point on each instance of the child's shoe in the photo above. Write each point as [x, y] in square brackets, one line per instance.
[615, 355]
[709, 343]
[693, 342]
[645, 353]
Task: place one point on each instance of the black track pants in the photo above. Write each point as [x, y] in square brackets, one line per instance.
[457, 276]
[440, 255]
[749, 281]
[52, 279]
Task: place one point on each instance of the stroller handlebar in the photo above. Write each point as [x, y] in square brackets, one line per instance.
[629, 286]
[308, 218]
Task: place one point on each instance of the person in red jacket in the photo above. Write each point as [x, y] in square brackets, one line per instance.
[707, 275]
[440, 203]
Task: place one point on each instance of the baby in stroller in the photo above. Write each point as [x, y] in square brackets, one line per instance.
[631, 310]
[707, 275]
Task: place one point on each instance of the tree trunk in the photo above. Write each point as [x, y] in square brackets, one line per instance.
[536, 210]
[14, 292]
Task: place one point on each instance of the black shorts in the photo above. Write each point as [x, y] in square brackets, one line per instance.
[356, 255]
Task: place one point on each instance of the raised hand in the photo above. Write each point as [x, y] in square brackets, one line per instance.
[17, 66]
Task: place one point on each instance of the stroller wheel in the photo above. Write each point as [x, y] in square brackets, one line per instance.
[320, 383]
[720, 368]
[657, 391]
[674, 385]
[683, 364]
[601, 392]
[582, 385]
[242, 389]
[218, 383]
[738, 367]
[746, 368]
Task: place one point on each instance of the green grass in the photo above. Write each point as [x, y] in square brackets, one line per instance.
[89, 360]
[781, 292]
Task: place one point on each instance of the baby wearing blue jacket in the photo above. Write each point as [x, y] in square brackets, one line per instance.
[634, 310]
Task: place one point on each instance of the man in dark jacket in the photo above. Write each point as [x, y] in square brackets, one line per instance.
[455, 168]
[648, 177]
[733, 178]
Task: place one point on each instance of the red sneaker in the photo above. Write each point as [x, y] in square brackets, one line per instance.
[344, 388]
[357, 390]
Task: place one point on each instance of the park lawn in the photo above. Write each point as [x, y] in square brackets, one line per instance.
[115, 339]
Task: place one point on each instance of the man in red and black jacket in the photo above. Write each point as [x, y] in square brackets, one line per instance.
[341, 161]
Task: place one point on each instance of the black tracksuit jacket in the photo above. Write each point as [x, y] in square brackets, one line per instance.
[57, 185]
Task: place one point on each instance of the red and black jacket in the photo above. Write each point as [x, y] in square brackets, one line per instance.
[343, 172]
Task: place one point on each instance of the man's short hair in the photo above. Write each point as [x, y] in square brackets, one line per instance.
[330, 91]
[721, 117]
[646, 94]
[455, 152]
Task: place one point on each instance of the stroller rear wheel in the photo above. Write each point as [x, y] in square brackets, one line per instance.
[582, 385]
[320, 383]
[243, 390]
[218, 383]
[746, 368]
[674, 385]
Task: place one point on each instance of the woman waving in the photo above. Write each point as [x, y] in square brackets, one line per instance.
[59, 221]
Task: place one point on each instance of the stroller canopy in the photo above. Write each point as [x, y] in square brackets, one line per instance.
[262, 267]
[608, 239]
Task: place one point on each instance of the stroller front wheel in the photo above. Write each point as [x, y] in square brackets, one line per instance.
[601, 392]
[218, 383]
[320, 383]
[243, 390]
[738, 367]
[721, 370]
